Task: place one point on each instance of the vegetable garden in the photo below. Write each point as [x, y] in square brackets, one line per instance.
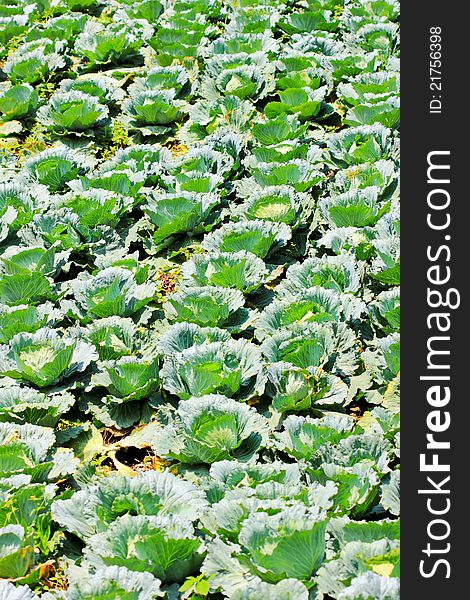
[199, 299]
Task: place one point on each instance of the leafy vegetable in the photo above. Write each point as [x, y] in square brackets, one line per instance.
[44, 358]
[199, 300]
[209, 429]
[230, 368]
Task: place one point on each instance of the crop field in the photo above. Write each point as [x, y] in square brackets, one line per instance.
[199, 300]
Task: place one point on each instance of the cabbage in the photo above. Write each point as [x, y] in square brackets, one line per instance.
[372, 584]
[277, 130]
[27, 450]
[194, 181]
[20, 287]
[96, 207]
[144, 9]
[349, 64]
[10, 27]
[241, 270]
[387, 113]
[111, 582]
[385, 310]
[199, 299]
[308, 21]
[297, 389]
[289, 544]
[16, 207]
[382, 358]
[370, 86]
[33, 259]
[216, 113]
[356, 448]
[314, 345]
[17, 102]
[72, 111]
[208, 306]
[58, 227]
[381, 174]
[173, 214]
[9, 591]
[141, 160]
[128, 377]
[304, 437]
[33, 61]
[278, 204]
[104, 88]
[54, 168]
[390, 493]
[112, 337]
[258, 237]
[181, 336]
[101, 44]
[152, 110]
[357, 145]
[298, 173]
[355, 208]
[233, 474]
[341, 273]
[94, 508]
[64, 27]
[209, 429]
[25, 318]
[240, 80]
[205, 159]
[357, 485]
[165, 546]
[113, 291]
[27, 405]
[347, 573]
[173, 77]
[232, 368]
[314, 305]
[16, 552]
[303, 102]
[44, 358]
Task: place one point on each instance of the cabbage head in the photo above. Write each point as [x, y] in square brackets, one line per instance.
[165, 546]
[45, 357]
[210, 429]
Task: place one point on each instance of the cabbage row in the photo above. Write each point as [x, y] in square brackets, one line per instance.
[199, 300]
